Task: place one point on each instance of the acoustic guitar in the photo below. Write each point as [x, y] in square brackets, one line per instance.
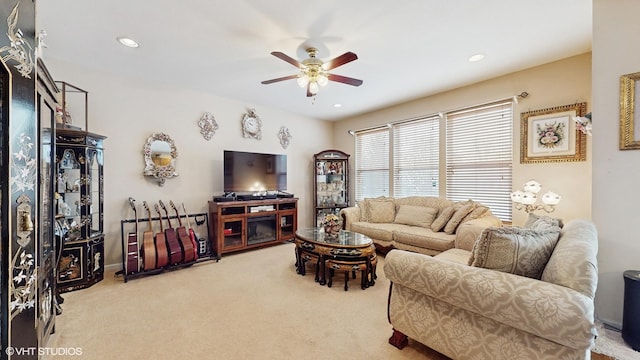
[148, 245]
[132, 262]
[185, 240]
[192, 235]
[161, 243]
[176, 254]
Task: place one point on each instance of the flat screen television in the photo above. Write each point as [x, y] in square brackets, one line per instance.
[247, 172]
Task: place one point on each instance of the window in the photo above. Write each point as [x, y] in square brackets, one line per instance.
[408, 158]
[416, 157]
[372, 163]
[479, 145]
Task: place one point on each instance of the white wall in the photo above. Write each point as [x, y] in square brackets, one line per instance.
[616, 173]
[562, 82]
[128, 111]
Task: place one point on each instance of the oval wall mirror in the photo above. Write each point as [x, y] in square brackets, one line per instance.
[159, 157]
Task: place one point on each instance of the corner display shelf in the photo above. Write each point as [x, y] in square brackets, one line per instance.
[241, 225]
[80, 203]
[331, 183]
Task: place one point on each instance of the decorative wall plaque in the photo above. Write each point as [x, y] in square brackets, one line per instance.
[208, 125]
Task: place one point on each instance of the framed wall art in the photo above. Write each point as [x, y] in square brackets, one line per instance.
[549, 135]
[629, 133]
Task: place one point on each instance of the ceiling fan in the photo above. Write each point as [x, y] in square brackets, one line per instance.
[314, 72]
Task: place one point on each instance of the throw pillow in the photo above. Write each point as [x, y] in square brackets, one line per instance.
[442, 219]
[415, 215]
[364, 207]
[363, 210]
[514, 250]
[457, 217]
[381, 211]
[477, 213]
[542, 221]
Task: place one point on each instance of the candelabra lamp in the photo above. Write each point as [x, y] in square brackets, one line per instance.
[527, 200]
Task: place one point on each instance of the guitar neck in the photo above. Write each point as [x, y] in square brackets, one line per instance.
[176, 211]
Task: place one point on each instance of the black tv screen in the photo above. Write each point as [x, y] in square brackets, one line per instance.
[254, 172]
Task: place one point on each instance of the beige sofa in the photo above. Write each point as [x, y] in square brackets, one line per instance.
[424, 224]
[470, 312]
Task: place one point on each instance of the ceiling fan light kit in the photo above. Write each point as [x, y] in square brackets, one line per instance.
[314, 73]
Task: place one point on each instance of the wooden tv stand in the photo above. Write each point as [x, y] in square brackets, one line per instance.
[241, 225]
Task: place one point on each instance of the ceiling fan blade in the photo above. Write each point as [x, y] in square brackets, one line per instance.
[344, 80]
[279, 79]
[340, 60]
[287, 58]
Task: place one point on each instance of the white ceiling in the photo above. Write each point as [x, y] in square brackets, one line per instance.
[407, 49]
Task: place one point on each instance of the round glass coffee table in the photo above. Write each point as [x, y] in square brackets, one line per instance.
[348, 252]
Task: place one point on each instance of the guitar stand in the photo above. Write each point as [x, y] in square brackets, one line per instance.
[207, 255]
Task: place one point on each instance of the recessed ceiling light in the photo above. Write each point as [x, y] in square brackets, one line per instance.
[337, 105]
[128, 42]
[476, 57]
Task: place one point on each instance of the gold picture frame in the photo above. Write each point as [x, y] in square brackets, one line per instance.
[629, 139]
[549, 135]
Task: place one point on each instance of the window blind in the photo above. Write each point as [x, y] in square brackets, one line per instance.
[372, 163]
[416, 157]
[479, 153]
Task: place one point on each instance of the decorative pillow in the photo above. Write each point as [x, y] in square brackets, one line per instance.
[363, 210]
[415, 215]
[514, 250]
[381, 211]
[364, 207]
[542, 221]
[442, 219]
[477, 213]
[457, 217]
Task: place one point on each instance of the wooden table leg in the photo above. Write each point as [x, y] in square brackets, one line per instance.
[322, 271]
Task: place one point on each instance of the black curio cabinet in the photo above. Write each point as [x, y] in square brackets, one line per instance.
[79, 205]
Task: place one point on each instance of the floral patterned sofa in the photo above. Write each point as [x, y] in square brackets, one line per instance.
[519, 300]
[424, 224]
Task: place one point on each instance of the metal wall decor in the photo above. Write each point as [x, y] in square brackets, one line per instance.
[19, 50]
[284, 136]
[251, 125]
[208, 125]
[629, 127]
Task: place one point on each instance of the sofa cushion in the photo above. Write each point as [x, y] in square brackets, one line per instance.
[459, 256]
[578, 246]
[460, 213]
[427, 201]
[423, 238]
[443, 218]
[380, 231]
[514, 250]
[380, 210]
[415, 215]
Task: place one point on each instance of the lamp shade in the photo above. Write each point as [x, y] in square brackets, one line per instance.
[528, 198]
[532, 186]
[551, 198]
[516, 197]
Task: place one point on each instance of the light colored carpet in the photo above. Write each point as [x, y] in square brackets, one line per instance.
[250, 305]
[609, 342]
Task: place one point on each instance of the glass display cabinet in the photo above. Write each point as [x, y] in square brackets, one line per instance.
[48, 248]
[331, 183]
[80, 202]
